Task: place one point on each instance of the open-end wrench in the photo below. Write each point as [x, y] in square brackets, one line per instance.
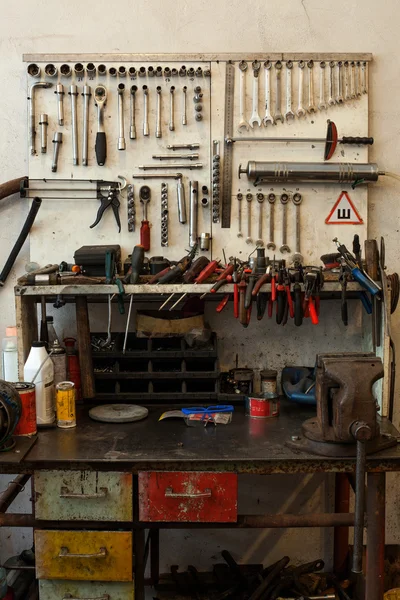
[87, 92]
[171, 108]
[364, 78]
[331, 99]
[260, 200]
[242, 96]
[271, 200]
[278, 116]
[297, 199]
[73, 92]
[311, 108]
[339, 87]
[60, 103]
[255, 117]
[146, 129]
[249, 198]
[289, 114]
[347, 95]
[301, 112]
[121, 121]
[132, 129]
[239, 199]
[184, 105]
[358, 79]
[158, 112]
[322, 105]
[284, 201]
[353, 80]
[267, 73]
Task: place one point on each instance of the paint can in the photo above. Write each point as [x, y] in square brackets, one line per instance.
[65, 404]
[269, 388]
[27, 422]
[259, 407]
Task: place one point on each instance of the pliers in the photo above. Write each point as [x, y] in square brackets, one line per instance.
[105, 201]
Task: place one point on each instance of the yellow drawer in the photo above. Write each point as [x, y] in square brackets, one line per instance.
[84, 555]
[85, 590]
[83, 496]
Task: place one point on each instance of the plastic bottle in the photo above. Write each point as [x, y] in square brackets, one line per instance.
[10, 355]
[39, 369]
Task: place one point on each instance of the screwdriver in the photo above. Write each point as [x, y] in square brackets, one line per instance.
[209, 270]
[358, 274]
[195, 269]
[145, 195]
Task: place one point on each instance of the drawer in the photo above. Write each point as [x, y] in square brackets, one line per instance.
[85, 590]
[77, 555]
[191, 496]
[83, 495]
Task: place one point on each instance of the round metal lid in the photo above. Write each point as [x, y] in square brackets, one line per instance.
[118, 413]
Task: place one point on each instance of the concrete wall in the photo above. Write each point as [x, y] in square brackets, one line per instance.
[220, 26]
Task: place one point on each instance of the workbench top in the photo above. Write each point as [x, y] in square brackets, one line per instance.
[245, 445]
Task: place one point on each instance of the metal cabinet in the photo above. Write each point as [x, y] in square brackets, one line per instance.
[85, 590]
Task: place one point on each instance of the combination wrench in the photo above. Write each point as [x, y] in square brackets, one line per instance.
[289, 114]
[100, 99]
[132, 128]
[158, 113]
[297, 200]
[278, 116]
[322, 105]
[301, 112]
[260, 200]
[239, 199]
[268, 118]
[249, 198]
[339, 87]
[347, 95]
[73, 92]
[331, 99]
[171, 108]
[60, 103]
[121, 125]
[284, 202]
[87, 92]
[271, 201]
[311, 106]
[255, 117]
[146, 129]
[242, 96]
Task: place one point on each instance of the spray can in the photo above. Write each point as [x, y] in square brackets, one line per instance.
[27, 421]
[65, 404]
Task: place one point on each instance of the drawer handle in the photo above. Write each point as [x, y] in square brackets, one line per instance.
[69, 597]
[169, 493]
[65, 553]
[65, 493]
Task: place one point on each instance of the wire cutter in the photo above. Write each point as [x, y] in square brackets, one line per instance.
[105, 201]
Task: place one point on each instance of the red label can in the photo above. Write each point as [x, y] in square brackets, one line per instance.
[27, 421]
[259, 407]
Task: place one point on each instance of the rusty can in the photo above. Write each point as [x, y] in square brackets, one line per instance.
[259, 407]
[27, 421]
[65, 404]
[269, 388]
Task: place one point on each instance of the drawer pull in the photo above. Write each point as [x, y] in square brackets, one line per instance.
[169, 493]
[103, 597]
[65, 493]
[65, 553]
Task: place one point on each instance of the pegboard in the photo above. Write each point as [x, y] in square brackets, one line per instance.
[65, 223]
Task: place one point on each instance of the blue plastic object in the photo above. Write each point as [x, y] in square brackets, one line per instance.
[298, 384]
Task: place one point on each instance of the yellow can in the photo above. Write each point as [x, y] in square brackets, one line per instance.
[65, 404]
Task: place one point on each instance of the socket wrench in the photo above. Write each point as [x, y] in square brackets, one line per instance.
[132, 129]
[121, 124]
[100, 99]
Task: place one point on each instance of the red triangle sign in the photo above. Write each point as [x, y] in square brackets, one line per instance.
[344, 212]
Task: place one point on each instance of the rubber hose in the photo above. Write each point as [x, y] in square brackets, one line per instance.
[21, 240]
[11, 187]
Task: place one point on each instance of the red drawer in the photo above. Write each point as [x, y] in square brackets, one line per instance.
[191, 496]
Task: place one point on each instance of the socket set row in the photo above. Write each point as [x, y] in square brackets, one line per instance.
[79, 70]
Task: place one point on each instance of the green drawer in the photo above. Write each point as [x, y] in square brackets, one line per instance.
[83, 496]
[85, 590]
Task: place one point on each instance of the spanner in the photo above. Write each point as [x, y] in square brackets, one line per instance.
[73, 92]
[255, 117]
[331, 99]
[242, 96]
[158, 112]
[297, 199]
[184, 104]
[347, 95]
[146, 130]
[249, 198]
[284, 201]
[239, 199]
[278, 101]
[171, 108]
[289, 114]
[339, 88]
[353, 80]
[260, 200]
[60, 103]
[132, 129]
[311, 106]
[271, 199]
[301, 112]
[322, 104]
[267, 72]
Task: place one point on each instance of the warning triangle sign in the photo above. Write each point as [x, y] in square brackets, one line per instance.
[344, 212]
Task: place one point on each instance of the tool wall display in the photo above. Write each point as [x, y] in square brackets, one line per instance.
[201, 132]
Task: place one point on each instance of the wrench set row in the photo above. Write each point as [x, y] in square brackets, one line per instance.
[271, 198]
[339, 82]
[79, 70]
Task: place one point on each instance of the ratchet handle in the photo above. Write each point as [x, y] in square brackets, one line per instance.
[145, 235]
[361, 141]
[101, 148]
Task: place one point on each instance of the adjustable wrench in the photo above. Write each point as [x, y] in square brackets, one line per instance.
[311, 106]
[242, 96]
[132, 129]
[60, 103]
[284, 201]
[255, 117]
[87, 92]
[322, 104]
[171, 108]
[271, 200]
[249, 198]
[73, 92]
[297, 200]
[158, 111]
[301, 112]
[146, 129]
[353, 80]
[100, 99]
[267, 73]
[347, 95]
[339, 97]
[239, 199]
[278, 73]
[184, 105]
[289, 114]
[331, 99]
[121, 137]
[260, 200]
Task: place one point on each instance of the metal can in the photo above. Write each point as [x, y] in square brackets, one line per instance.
[27, 421]
[65, 404]
[258, 407]
[269, 383]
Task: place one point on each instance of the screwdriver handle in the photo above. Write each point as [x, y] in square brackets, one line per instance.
[298, 305]
[145, 235]
[101, 148]
[205, 273]
[227, 271]
[362, 141]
